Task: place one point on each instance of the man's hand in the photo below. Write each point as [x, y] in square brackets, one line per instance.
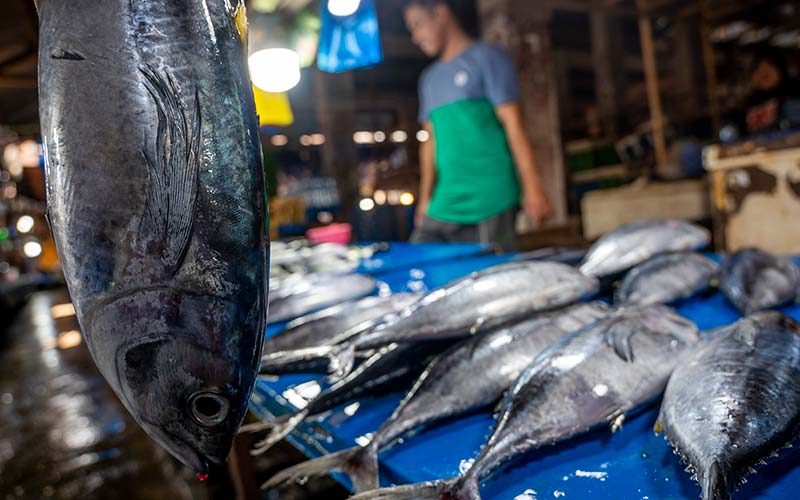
[537, 206]
[421, 211]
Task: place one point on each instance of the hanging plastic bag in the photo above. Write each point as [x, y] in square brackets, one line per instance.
[349, 41]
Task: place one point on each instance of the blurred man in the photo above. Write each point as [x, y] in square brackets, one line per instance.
[478, 164]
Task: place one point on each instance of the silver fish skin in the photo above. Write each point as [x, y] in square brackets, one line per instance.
[322, 327]
[471, 375]
[754, 280]
[633, 244]
[390, 369]
[736, 402]
[320, 294]
[482, 301]
[666, 279]
[156, 202]
[588, 379]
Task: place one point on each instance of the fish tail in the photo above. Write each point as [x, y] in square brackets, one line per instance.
[342, 359]
[359, 464]
[308, 360]
[277, 429]
[715, 484]
[435, 490]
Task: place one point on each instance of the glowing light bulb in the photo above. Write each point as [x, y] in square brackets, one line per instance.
[25, 224]
[366, 204]
[406, 199]
[275, 70]
[32, 249]
[423, 136]
[399, 136]
[343, 8]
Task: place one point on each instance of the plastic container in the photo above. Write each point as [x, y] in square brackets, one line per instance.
[334, 233]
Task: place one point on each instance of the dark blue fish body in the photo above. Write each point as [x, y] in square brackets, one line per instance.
[736, 402]
[754, 280]
[156, 201]
[666, 278]
[588, 379]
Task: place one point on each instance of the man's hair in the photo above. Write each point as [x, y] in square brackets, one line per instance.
[463, 10]
[428, 4]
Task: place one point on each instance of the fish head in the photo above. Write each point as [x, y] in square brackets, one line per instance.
[183, 364]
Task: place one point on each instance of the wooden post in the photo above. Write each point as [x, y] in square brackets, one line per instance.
[710, 64]
[653, 95]
[605, 77]
[336, 116]
[522, 28]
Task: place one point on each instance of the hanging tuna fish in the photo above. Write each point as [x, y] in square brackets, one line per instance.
[156, 202]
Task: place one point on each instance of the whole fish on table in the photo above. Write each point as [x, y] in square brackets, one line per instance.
[588, 379]
[754, 280]
[476, 303]
[736, 402]
[633, 244]
[390, 369]
[322, 327]
[156, 202]
[315, 294]
[471, 375]
[667, 278]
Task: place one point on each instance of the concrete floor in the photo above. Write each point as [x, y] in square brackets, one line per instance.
[64, 435]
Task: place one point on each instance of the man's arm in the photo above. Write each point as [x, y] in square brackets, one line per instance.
[427, 170]
[534, 200]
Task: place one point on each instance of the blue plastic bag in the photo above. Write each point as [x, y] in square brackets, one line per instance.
[349, 42]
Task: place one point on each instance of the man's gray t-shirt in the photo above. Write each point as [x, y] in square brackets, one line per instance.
[482, 71]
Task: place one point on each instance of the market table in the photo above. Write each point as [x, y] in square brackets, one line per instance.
[631, 464]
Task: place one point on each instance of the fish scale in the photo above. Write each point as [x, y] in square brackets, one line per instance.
[588, 379]
[156, 202]
[449, 386]
[746, 408]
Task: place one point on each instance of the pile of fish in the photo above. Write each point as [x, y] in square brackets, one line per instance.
[519, 334]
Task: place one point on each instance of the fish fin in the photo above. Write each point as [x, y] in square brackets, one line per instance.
[359, 464]
[619, 338]
[617, 422]
[476, 327]
[237, 13]
[433, 490]
[173, 171]
[278, 429]
[714, 483]
[658, 428]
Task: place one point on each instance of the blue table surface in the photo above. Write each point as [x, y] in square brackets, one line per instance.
[632, 463]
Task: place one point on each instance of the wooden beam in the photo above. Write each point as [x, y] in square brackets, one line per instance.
[710, 66]
[18, 82]
[653, 94]
[611, 8]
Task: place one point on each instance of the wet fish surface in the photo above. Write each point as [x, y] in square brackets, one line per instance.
[476, 303]
[471, 375]
[736, 402]
[666, 279]
[754, 280]
[633, 244]
[390, 369]
[324, 326]
[588, 379]
[315, 294]
[156, 202]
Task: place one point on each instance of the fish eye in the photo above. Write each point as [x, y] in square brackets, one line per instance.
[209, 408]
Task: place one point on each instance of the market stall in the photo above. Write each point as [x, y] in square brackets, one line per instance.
[632, 463]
